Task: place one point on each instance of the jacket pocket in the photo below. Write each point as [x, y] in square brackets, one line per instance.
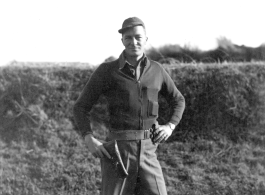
[152, 108]
[152, 94]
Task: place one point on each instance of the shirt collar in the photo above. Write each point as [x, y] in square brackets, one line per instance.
[123, 61]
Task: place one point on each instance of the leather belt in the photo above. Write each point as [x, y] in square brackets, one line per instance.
[129, 135]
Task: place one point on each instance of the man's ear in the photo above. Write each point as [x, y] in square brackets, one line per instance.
[146, 39]
[122, 41]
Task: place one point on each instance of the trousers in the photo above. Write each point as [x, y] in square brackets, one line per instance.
[145, 175]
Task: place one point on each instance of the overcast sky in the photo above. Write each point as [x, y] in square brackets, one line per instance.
[87, 30]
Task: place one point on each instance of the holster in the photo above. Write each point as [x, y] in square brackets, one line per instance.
[153, 133]
[113, 150]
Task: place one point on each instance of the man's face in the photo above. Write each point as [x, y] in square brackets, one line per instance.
[134, 40]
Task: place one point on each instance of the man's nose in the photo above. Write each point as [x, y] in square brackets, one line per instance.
[134, 41]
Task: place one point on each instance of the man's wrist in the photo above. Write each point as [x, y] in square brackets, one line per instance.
[171, 126]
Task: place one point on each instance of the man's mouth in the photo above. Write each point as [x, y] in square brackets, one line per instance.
[134, 48]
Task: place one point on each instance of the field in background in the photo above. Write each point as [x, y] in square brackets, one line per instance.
[218, 148]
[226, 51]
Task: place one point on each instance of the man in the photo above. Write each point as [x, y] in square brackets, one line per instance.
[131, 85]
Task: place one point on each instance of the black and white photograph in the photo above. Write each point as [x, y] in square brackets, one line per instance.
[132, 97]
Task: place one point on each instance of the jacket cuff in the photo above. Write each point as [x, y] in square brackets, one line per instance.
[174, 121]
[83, 135]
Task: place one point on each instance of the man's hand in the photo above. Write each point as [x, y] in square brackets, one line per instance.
[96, 147]
[162, 133]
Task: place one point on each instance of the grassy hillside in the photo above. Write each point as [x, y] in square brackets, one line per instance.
[218, 148]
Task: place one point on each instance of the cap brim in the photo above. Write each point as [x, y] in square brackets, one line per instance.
[121, 30]
[127, 27]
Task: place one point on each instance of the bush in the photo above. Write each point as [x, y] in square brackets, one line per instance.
[42, 154]
[221, 99]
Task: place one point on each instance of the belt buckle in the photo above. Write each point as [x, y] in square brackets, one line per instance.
[145, 134]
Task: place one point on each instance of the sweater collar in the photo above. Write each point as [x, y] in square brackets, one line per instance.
[123, 61]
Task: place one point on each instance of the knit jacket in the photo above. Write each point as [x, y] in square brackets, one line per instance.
[132, 104]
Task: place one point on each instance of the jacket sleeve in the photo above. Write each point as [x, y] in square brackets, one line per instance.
[174, 98]
[88, 97]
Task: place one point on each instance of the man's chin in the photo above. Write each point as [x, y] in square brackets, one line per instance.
[134, 53]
